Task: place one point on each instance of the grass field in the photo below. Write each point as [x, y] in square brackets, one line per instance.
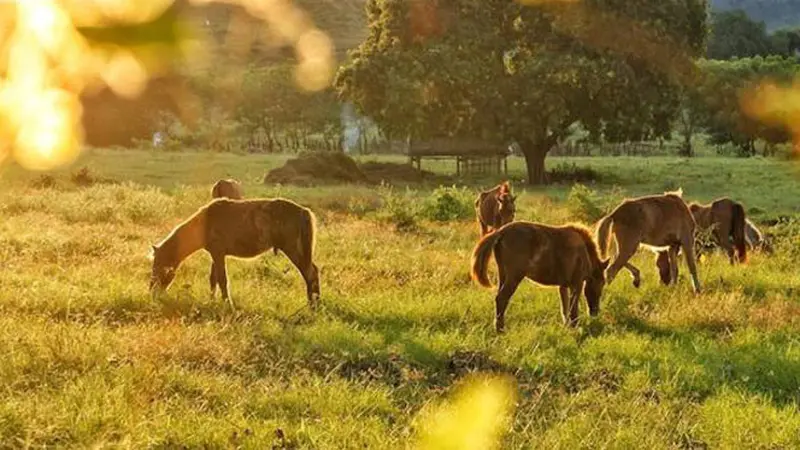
[91, 360]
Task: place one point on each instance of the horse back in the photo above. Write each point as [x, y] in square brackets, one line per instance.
[657, 220]
[247, 228]
[553, 256]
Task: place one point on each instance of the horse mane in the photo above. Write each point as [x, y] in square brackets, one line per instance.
[588, 239]
[197, 214]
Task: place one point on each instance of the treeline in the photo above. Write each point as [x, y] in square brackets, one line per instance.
[734, 34]
[454, 82]
[775, 13]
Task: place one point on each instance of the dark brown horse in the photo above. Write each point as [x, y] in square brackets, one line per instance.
[726, 220]
[227, 188]
[495, 208]
[721, 233]
[661, 222]
[243, 229]
[564, 256]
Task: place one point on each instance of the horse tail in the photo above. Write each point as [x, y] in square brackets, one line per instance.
[308, 235]
[480, 257]
[603, 233]
[738, 230]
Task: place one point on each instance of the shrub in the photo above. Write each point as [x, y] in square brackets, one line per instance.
[398, 209]
[449, 203]
[588, 206]
[571, 173]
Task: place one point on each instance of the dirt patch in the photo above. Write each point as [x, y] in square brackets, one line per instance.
[333, 167]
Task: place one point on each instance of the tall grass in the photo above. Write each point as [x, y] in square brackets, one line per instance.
[91, 360]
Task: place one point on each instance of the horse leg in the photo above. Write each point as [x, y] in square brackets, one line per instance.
[722, 236]
[484, 228]
[310, 274]
[222, 277]
[574, 300]
[687, 243]
[626, 250]
[637, 280]
[508, 285]
[569, 305]
[673, 263]
[212, 279]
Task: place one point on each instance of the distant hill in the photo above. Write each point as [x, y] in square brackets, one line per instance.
[775, 13]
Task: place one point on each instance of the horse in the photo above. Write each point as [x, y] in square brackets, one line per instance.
[726, 220]
[229, 188]
[564, 256]
[659, 222]
[242, 229]
[495, 207]
[753, 238]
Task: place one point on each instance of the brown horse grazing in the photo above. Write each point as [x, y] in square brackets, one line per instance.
[655, 221]
[495, 207]
[726, 220]
[553, 256]
[243, 229]
[227, 188]
[755, 241]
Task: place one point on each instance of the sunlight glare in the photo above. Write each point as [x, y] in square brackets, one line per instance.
[776, 105]
[47, 137]
[46, 63]
[473, 419]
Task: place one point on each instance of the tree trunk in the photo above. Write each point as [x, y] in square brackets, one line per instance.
[686, 148]
[535, 154]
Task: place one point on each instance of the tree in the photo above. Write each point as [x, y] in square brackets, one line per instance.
[498, 69]
[735, 35]
[723, 85]
[785, 42]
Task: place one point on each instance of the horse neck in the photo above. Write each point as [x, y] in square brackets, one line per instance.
[186, 239]
[591, 250]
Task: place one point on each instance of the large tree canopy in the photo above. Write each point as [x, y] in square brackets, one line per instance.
[503, 70]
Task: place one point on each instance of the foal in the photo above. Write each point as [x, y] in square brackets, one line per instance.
[243, 229]
[495, 207]
[661, 222]
[553, 256]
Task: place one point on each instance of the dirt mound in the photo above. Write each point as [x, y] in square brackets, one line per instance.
[317, 168]
[334, 167]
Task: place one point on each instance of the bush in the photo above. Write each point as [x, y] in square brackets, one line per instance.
[571, 173]
[588, 206]
[398, 209]
[449, 203]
